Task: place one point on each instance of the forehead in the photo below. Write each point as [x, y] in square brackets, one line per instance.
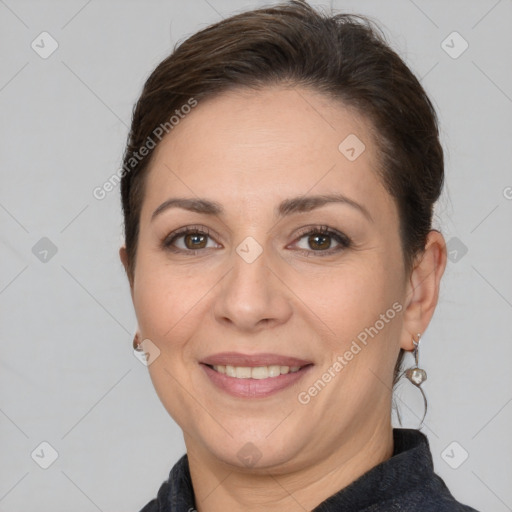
[265, 144]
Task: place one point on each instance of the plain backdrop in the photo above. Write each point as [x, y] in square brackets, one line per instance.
[68, 376]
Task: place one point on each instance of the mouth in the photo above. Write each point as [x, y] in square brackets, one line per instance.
[256, 376]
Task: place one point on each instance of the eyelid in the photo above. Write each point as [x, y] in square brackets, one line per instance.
[167, 242]
[343, 241]
[319, 228]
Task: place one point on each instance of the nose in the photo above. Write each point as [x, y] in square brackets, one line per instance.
[252, 297]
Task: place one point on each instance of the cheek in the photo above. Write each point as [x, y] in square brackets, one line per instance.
[168, 297]
[352, 299]
[359, 310]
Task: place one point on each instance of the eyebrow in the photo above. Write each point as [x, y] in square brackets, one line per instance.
[287, 207]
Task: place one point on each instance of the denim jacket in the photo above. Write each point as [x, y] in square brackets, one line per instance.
[406, 482]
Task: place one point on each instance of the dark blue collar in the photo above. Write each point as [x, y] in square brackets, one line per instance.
[404, 482]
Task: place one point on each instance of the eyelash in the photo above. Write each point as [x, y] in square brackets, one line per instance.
[169, 240]
[343, 241]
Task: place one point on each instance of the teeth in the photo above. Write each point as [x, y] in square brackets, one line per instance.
[274, 371]
[257, 372]
[243, 372]
[260, 372]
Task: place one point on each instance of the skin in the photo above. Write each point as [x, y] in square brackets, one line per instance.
[248, 151]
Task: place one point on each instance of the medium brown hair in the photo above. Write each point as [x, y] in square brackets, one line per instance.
[344, 56]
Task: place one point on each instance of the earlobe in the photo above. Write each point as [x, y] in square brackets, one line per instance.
[123, 256]
[423, 288]
[136, 341]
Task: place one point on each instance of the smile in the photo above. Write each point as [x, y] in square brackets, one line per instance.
[254, 381]
[257, 372]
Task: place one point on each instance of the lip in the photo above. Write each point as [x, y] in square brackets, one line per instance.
[253, 360]
[254, 388]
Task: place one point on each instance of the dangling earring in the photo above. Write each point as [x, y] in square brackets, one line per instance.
[416, 375]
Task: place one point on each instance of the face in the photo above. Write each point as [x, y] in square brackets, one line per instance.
[274, 288]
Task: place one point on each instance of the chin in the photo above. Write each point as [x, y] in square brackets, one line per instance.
[254, 448]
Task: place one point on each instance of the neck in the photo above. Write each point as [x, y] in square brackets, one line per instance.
[219, 487]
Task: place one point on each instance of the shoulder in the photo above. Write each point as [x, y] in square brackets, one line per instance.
[422, 500]
[428, 492]
[404, 483]
[158, 504]
[423, 489]
[176, 493]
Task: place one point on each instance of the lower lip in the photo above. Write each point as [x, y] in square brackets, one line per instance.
[254, 388]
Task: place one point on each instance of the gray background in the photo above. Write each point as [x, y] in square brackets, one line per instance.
[68, 375]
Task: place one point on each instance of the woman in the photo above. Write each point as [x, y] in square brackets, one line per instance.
[278, 188]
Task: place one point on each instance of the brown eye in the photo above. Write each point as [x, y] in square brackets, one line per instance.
[319, 241]
[189, 240]
[195, 241]
[322, 241]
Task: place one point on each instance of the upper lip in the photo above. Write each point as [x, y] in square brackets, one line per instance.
[253, 360]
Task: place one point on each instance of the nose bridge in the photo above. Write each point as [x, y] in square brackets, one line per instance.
[250, 294]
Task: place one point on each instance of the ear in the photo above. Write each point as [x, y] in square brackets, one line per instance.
[123, 255]
[423, 289]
